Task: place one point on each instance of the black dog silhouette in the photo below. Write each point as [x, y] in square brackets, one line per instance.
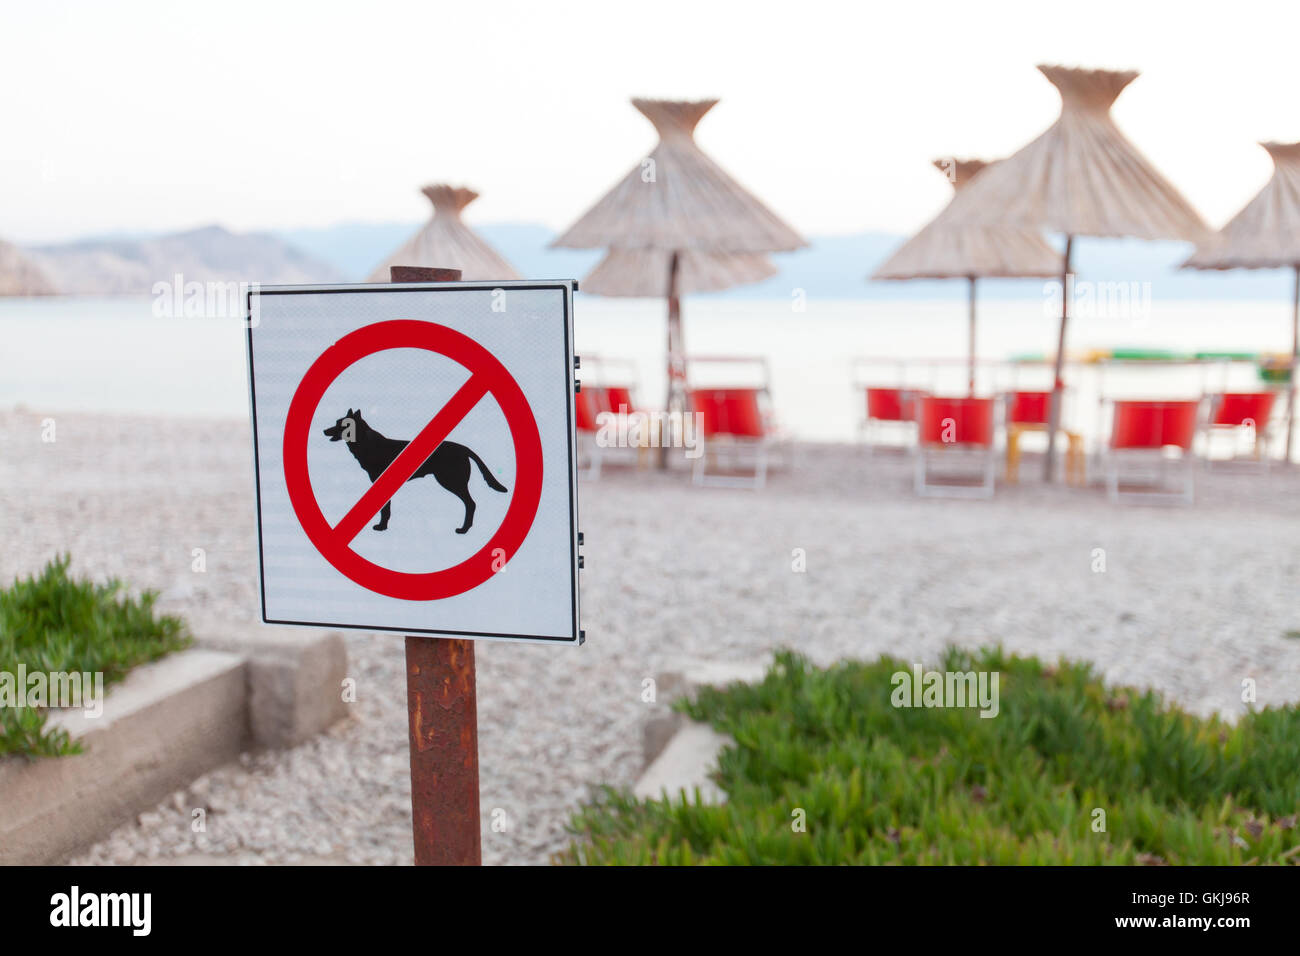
[449, 463]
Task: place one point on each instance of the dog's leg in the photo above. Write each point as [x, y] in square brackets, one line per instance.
[469, 512]
[451, 470]
[384, 513]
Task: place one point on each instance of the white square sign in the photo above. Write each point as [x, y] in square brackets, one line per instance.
[415, 458]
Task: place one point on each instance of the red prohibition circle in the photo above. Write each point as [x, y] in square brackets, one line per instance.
[487, 377]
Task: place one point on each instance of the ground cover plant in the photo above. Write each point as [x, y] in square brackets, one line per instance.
[825, 769]
[52, 623]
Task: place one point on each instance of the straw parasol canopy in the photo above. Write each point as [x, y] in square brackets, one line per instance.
[1265, 235]
[677, 222]
[19, 275]
[640, 272]
[446, 242]
[945, 249]
[1082, 177]
[679, 199]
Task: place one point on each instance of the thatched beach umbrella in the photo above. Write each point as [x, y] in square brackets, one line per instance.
[678, 223]
[972, 251]
[19, 275]
[1266, 235]
[446, 242]
[639, 273]
[1082, 178]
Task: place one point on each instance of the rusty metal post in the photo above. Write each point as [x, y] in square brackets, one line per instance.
[421, 274]
[442, 708]
[442, 702]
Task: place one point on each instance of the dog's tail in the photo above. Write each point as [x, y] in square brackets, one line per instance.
[487, 475]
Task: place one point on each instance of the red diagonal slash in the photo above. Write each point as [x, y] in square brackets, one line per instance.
[412, 457]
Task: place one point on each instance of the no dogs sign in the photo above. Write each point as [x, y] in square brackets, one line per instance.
[415, 458]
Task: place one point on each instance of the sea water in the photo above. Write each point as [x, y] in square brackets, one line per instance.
[117, 355]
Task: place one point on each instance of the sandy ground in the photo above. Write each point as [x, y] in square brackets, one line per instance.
[1191, 601]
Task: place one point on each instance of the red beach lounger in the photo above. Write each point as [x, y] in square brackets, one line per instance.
[588, 403]
[1149, 430]
[953, 428]
[889, 408]
[733, 424]
[1031, 412]
[1232, 413]
[594, 405]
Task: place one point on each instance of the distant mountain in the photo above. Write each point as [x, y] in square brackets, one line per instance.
[838, 267]
[834, 267]
[355, 248]
[211, 254]
[525, 245]
[19, 275]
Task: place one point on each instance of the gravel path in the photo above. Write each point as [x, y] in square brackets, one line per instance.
[1191, 601]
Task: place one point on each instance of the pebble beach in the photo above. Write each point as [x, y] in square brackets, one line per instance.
[835, 557]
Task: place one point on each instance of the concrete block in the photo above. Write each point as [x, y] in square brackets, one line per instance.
[684, 681]
[295, 678]
[165, 724]
[685, 764]
[659, 729]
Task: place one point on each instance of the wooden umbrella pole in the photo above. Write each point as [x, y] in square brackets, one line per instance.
[970, 386]
[1054, 418]
[1295, 353]
[675, 357]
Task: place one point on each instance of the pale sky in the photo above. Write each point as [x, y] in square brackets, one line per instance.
[149, 116]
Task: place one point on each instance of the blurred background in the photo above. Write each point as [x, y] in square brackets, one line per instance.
[161, 158]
